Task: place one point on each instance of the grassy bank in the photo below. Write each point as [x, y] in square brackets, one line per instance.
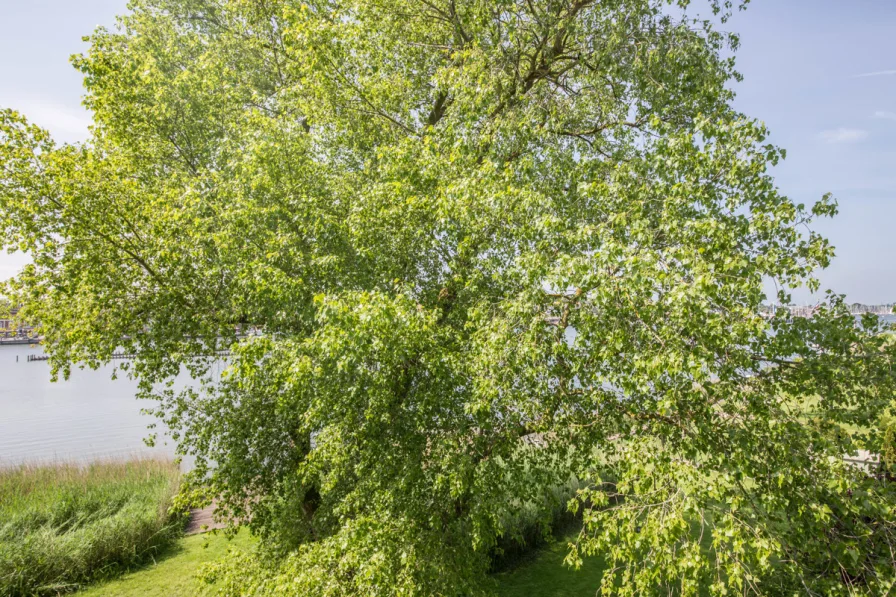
[65, 525]
[173, 573]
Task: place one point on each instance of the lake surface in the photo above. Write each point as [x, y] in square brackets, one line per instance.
[86, 417]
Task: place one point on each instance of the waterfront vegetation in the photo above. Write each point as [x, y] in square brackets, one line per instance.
[176, 572]
[104, 530]
[63, 525]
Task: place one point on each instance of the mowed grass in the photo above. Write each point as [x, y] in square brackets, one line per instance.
[173, 573]
[65, 525]
[543, 573]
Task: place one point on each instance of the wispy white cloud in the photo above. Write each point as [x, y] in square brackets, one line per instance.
[60, 120]
[879, 73]
[8, 271]
[883, 114]
[66, 123]
[11, 264]
[843, 135]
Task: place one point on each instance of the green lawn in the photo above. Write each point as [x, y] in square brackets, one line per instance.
[546, 576]
[174, 573]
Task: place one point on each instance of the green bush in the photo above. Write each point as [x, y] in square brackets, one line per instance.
[64, 525]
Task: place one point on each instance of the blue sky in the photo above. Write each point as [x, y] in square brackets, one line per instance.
[820, 73]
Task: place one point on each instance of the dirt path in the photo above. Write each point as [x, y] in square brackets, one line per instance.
[202, 521]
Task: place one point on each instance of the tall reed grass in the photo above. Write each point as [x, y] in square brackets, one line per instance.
[64, 525]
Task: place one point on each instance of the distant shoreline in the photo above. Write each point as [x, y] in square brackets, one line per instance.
[19, 341]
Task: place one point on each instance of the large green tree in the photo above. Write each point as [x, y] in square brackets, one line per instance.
[491, 245]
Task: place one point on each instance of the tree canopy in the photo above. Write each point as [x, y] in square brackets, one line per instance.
[492, 246]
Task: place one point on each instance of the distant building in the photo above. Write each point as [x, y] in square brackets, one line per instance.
[10, 327]
[7, 322]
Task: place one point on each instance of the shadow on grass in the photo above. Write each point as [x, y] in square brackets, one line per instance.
[541, 572]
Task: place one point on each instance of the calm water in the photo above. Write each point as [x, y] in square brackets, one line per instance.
[89, 416]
